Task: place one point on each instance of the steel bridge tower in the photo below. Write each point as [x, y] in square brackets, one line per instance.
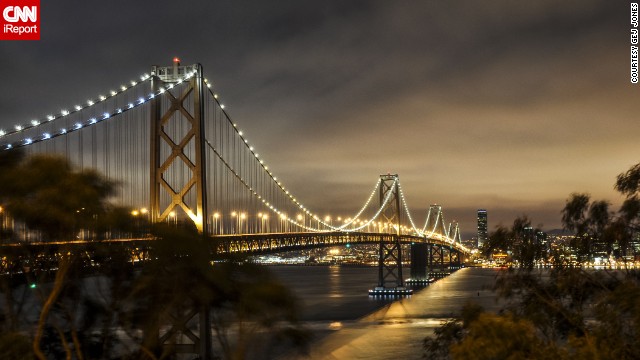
[178, 146]
[178, 151]
[390, 255]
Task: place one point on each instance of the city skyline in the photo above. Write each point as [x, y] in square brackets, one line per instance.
[506, 107]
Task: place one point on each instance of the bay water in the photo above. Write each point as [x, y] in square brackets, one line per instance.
[347, 323]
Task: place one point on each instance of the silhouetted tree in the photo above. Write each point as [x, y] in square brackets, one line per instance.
[564, 312]
[79, 318]
[243, 298]
[628, 183]
[499, 239]
[520, 241]
[48, 195]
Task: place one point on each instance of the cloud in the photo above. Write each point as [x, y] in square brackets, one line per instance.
[499, 105]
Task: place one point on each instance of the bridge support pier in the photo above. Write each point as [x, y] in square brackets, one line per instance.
[419, 264]
[454, 259]
[437, 267]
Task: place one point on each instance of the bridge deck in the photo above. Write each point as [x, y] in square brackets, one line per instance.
[241, 244]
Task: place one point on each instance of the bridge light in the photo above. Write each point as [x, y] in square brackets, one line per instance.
[51, 117]
[222, 106]
[216, 215]
[105, 115]
[46, 136]
[64, 113]
[35, 122]
[102, 98]
[78, 107]
[89, 102]
[135, 213]
[123, 88]
[2, 133]
[240, 132]
[114, 93]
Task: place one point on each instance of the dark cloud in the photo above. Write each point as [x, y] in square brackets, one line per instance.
[503, 105]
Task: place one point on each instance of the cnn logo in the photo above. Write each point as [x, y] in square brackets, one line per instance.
[20, 20]
[16, 13]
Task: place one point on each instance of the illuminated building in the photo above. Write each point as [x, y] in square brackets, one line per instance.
[483, 235]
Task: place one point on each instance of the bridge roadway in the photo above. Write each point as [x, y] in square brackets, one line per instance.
[252, 244]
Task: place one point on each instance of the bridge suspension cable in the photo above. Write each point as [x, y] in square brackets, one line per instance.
[111, 134]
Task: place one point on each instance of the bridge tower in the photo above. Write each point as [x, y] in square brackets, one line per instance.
[435, 221]
[390, 254]
[176, 148]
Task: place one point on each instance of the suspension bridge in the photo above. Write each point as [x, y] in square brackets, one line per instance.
[167, 138]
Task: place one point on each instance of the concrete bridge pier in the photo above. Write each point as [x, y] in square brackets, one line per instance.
[419, 264]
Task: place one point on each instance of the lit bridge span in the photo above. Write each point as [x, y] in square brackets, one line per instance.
[168, 141]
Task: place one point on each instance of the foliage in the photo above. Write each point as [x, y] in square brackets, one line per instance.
[598, 230]
[628, 183]
[244, 299]
[562, 313]
[120, 311]
[15, 346]
[565, 312]
[49, 195]
[520, 241]
[501, 337]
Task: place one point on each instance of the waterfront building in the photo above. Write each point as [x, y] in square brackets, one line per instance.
[483, 234]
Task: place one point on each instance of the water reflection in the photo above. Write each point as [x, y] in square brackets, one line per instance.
[396, 330]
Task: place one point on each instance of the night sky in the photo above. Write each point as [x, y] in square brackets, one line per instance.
[503, 105]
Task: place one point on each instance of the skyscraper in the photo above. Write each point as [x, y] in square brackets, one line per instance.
[483, 235]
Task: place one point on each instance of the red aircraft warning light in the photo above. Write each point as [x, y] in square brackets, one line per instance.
[176, 60]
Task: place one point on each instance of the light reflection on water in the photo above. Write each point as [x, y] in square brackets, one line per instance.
[378, 328]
